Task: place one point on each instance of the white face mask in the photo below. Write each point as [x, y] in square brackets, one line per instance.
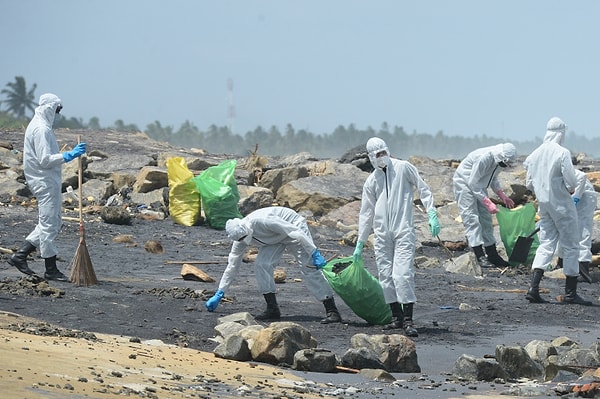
[382, 161]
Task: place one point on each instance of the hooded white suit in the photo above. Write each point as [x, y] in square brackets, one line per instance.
[585, 216]
[42, 163]
[475, 174]
[273, 230]
[387, 208]
[551, 176]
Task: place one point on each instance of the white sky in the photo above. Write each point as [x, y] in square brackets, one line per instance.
[500, 68]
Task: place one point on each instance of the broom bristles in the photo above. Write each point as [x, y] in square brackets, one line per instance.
[82, 271]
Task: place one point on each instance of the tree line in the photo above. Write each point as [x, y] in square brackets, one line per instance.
[19, 103]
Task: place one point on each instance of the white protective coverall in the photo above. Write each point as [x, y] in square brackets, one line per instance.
[551, 176]
[42, 164]
[387, 208]
[273, 230]
[585, 216]
[475, 174]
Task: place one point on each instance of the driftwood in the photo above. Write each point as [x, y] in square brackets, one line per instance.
[511, 291]
[347, 369]
[189, 272]
[7, 251]
[195, 262]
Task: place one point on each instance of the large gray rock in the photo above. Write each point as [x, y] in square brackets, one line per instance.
[319, 194]
[280, 341]
[234, 347]
[516, 362]
[317, 360]
[396, 352]
[477, 369]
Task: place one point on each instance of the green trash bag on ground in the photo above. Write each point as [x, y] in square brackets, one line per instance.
[519, 221]
[184, 198]
[359, 289]
[219, 193]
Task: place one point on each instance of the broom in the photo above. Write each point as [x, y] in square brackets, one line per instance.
[82, 271]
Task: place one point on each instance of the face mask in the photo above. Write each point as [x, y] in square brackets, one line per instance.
[382, 162]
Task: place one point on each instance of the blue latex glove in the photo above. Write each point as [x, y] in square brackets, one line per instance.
[576, 200]
[318, 259]
[213, 302]
[76, 152]
[358, 250]
[434, 224]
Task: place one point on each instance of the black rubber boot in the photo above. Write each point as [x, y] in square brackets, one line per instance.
[333, 315]
[409, 327]
[19, 258]
[272, 312]
[52, 272]
[481, 258]
[571, 296]
[533, 293]
[494, 257]
[559, 263]
[397, 317]
[584, 272]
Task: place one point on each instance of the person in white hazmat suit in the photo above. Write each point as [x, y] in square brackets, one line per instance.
[274, 230]
[585, 198]
[42, 164]
[387, 208]
[475, 174]
[551, 176]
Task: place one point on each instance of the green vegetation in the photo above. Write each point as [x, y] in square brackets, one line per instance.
[273, 142]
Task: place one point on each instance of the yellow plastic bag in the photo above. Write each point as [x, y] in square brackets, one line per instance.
[184, 198]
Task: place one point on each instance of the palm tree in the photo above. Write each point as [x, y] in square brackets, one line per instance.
[18, 99]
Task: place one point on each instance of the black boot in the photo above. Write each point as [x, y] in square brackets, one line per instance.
[19, 258]
[494, 257]
[333, 315]
[397, 317]
[481, 259]
[584, 272]
[559, 263]
[533, 293]
[52, 272]
[409, 327]
[571, 292]
[272, 312]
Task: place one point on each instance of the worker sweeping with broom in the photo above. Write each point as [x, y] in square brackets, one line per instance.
[42, 164]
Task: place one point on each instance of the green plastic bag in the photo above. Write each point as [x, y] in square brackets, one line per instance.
[219, 193]
[517, 222]
[184, 198]
[359, 289]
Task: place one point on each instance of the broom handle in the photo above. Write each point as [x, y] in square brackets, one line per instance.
[80, 192]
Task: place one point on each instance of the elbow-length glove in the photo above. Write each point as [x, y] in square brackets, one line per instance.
[434, 223]
[358, 250]
[76, 152]
[318, 259]
[213, 302]
[490, 206]
[508, 202]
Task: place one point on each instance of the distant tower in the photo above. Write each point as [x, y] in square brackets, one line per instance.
[230, 106]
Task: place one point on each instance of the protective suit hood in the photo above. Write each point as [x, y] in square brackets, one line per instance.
[46, 109]
[237, 229]
[375, 145]
[555, 131]
[505, 152]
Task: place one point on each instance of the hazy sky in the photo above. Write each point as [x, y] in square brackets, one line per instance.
[500, 68]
